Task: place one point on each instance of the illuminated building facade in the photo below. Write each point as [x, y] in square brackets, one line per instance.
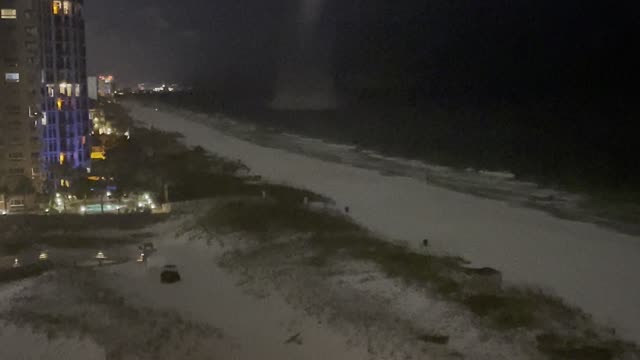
[66, 124]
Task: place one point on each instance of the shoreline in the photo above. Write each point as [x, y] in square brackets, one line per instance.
[590, 208]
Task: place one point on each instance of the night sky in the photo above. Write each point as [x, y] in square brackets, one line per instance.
[504, 50]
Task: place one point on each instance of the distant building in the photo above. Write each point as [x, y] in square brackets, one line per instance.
[106, 85]
[92, 87]
[100, 124]
[20, 116]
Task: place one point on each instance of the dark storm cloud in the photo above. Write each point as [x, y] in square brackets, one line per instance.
[155, 18]
[428, 48]
[182, 41]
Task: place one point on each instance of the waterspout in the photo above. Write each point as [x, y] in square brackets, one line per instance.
[305, 79]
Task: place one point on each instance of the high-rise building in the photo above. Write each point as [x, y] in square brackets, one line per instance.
[20, 116]
[106, 85]
[44, 117]
[66, 130]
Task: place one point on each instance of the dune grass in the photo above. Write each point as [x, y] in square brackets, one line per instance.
[273, 217]
[24, 272]
[558, 347]
[332, 235]
[22, 232]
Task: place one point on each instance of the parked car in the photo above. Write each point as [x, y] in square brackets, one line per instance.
[169, 274]
[147, 248]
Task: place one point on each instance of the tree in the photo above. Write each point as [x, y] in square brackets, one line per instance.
[24, 186]
[61, 171]
[80, 186]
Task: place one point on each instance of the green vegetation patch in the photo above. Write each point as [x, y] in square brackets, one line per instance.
[73, 241]
[559, 347]
[24, 272]
[273, 217]
[434, 338]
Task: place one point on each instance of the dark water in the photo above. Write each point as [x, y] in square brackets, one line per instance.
[569, 147]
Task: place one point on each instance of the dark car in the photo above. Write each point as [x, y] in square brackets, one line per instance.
[169, 274]
[147, 248]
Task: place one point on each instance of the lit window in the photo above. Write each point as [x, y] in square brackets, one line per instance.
[69, 87]
[66, 6]
[8, 13]
[63, 88]
[12, 77]
[59, 103]
[50, 90]
[78, 90]
[57, 5]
